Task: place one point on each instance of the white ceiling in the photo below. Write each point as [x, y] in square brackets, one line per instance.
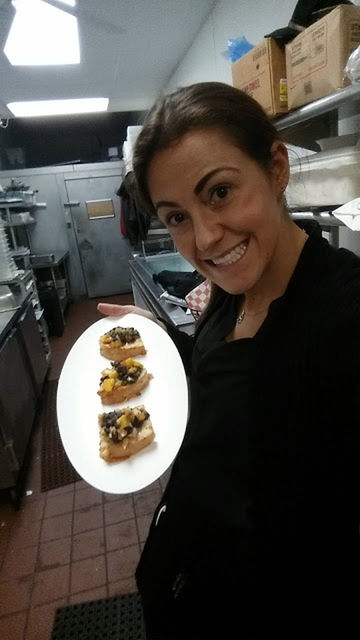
[129, 49]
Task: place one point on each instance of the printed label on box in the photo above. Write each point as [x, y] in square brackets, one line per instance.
[259, 52]
[251, 86]
[353, 37]
[310, 54]
[283, 92]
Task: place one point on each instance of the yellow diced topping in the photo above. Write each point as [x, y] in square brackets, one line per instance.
[108, 384]
[123, 421]
[129, 362]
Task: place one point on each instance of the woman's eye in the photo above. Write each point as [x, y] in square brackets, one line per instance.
[173, 219]
[219, 193]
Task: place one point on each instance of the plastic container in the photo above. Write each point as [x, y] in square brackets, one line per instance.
[326, 178]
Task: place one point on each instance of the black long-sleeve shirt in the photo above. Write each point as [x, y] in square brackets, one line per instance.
[261, 528]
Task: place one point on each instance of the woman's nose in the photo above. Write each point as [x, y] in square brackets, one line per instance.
[207, 231]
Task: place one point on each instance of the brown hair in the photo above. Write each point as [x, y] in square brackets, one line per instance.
[207, 104]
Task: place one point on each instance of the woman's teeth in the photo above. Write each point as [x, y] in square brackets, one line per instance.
[233, 255]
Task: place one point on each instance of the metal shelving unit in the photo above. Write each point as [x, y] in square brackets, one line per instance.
[25, 279]
[308, 112]
[319, 107]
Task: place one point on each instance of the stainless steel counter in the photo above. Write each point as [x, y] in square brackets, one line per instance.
[23, 368]
[147, 293]
[9, 318]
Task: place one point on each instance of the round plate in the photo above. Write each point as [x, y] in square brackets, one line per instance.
[78, 406]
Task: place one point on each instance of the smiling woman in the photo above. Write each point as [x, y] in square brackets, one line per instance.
[257, 534]
[211, 165]
[224, 212]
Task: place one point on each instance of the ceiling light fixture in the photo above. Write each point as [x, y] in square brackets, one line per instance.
[57, 107]
[42, 35]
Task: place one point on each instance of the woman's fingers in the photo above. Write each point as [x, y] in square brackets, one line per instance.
[118, 310]
[115, 310]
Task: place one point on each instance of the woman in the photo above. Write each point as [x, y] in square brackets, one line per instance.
[257, 534]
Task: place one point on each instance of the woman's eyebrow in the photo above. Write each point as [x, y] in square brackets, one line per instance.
[165, 203]
[201, 184]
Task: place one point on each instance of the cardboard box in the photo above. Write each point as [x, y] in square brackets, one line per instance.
[316, 58]
[262, 74]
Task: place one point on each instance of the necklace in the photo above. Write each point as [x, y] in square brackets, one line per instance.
[242, 314]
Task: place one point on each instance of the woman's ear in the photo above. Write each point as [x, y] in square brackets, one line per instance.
[280, 169]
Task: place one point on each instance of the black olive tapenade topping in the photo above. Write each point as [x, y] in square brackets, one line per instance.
[116, 432]
[125, 335]
[124, 374]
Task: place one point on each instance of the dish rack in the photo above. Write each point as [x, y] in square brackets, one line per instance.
[8, 269]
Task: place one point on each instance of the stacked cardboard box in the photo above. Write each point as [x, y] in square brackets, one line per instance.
[261, 73]
[316, 58]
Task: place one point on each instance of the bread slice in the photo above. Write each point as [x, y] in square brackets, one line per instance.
[124, 432]
[120, 343]
[123, 381]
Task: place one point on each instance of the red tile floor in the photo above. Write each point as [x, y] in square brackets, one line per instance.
[71, 544]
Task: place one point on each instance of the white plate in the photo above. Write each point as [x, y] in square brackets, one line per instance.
[78, 406]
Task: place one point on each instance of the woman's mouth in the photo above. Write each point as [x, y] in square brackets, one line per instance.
[232, 256]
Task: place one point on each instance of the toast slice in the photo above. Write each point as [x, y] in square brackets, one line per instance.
[120, 343]
[123, 381]
[124, 432]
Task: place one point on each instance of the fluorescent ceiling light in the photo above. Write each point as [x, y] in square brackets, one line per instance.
[57, 107]
[42, 35]
[71, 3]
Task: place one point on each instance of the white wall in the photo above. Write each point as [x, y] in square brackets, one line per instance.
[229, 19]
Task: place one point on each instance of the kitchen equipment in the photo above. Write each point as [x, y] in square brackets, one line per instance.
[326, 178]
[21, 257]
[8, 268]
[7, 299]
[22, 218]
[42, 258]
[18, 403]
[337, 142]
[31, 339]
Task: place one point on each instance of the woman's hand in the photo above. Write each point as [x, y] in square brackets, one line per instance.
[118, 311]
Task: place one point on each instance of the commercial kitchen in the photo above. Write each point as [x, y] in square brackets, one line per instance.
[72, 234]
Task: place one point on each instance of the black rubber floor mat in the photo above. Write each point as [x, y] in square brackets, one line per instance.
[56, 469]
[117, 618]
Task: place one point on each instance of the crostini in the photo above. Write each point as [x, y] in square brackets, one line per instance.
[124, 380]
[124, 432]
[120, 343]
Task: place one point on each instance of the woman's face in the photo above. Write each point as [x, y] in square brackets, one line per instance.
[223, 211]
